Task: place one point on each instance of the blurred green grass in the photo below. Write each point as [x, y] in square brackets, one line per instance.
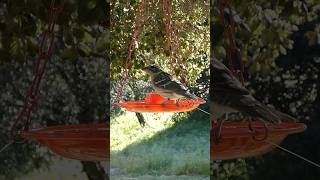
[170, 144]
[59, 169]
[149, 177]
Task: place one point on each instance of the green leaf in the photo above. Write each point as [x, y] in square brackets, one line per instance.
[103, 42]
[282, 50]
[84, 50]
[33, 45]
[69, 54]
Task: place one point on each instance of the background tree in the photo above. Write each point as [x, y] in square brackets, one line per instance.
[190, 20]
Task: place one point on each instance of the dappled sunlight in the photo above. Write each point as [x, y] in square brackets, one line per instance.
[126, 130]
[168, 145]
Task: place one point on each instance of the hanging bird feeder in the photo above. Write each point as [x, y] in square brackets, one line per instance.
[241, 139]
[86, 142]
[237, 141]
[154, 103]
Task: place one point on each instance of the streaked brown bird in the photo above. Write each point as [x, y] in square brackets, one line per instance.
[165, 85]
[228, 95]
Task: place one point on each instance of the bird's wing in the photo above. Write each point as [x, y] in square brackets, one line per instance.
[283, 116]
[228, 90]
[173, 85]
[162, 79]
[252, 107]
[224, 81]
[166, 82]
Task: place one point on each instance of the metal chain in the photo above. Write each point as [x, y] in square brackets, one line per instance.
[170, 34]
[172, 43]
[23, 120]
[235, 63]
[167, 26]
[137, 29]
[233, 52]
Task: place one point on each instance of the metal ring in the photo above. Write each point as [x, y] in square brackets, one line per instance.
[266, 134]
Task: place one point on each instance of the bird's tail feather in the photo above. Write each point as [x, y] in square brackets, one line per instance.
[191, 96]
[272, 115]
[268, 114]
[283, 116]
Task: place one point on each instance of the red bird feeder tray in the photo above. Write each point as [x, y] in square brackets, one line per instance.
[155, 103]
[86, 142]
[237, 141]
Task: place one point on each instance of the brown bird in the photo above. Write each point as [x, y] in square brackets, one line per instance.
[228, 95]
[165, 85]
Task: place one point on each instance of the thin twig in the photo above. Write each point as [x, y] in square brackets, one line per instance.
[6, 146]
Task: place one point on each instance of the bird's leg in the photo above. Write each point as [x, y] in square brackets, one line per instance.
[214, 120]
[178, 102]
[217, 126]
[217, 130]
[165, 102]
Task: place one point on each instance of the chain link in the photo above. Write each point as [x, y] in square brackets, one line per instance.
[172, 42]
[235, 63]
[233, 52]
[23, 120]
[137, 29]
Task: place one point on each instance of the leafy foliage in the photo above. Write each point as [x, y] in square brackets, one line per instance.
[74, 86]
[22, 23]
[264, 29]
[190, 21]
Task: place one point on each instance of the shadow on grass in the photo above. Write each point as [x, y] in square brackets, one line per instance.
[181, 149]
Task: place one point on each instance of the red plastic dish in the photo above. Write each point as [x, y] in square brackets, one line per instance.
[154, 103]
[236, 140]
[86, 142]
